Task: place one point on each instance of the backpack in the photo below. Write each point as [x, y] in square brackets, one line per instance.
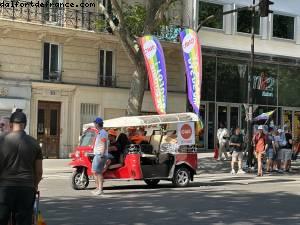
[282, 142]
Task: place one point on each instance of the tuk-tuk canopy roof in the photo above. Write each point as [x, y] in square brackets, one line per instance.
[140, 121]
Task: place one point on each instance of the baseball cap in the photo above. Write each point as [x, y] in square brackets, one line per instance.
[98, 120]
[112, 132]
[18, 117]
[280, 130]
[260, 127]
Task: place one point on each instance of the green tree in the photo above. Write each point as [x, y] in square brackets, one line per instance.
[135, 21]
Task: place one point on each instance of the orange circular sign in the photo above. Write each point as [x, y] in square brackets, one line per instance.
[186, 131]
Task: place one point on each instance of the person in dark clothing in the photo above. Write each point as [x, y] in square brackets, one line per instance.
[123, 141]
[236, 146]
[20, 172]
[114, 148]
[287, 151]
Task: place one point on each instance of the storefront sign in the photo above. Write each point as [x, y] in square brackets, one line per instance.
[186, 133]
[3, 91]
[265, 84]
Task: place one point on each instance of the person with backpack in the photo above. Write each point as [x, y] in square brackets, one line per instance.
[260, 144]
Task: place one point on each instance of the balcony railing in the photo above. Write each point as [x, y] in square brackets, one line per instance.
[63, 17]
[107, 81]
[73, 18]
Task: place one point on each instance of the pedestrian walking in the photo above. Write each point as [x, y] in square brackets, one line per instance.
[270, 150]
[260, 143]
[101, 156]
[236, 147]
[287, 151]
[20, 172]
[223, 139]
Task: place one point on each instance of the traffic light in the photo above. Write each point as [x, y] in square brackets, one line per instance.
[264, 8]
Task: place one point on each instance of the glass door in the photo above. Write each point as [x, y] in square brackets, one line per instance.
[288, 119]
[222, 116]
[297, 126]
[229, 116]
[291, 120]
[234, 117]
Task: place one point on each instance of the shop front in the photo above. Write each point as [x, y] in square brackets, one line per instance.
[225, 88]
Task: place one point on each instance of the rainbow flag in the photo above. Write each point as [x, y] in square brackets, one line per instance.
[264, 116]
[156, 68]
[191, 49]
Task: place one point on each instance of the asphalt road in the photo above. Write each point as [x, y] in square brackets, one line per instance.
[215, 197]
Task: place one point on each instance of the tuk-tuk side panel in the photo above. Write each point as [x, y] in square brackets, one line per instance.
[130, 170]
[190, 158]
[82, 162]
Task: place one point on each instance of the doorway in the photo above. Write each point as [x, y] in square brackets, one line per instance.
[48, 128]
[291, 119]
[229, 115]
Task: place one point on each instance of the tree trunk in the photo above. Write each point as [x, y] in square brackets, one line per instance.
[137, 89]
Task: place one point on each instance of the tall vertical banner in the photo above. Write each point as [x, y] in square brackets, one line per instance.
[193, 64]
[156, 69]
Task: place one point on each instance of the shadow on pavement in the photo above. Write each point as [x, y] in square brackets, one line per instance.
[174, 206]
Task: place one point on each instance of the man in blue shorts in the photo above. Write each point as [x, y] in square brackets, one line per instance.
[101, 156]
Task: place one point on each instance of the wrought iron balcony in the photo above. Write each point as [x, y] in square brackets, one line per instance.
[107, 81]
[63, 17]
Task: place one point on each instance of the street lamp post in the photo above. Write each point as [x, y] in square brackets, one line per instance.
[250, 92]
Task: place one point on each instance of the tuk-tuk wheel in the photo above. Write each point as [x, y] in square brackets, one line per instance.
[182, 177]
[79, 181]
[151, 182]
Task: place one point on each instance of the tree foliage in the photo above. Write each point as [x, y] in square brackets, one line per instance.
[135, 16]
[133, 21]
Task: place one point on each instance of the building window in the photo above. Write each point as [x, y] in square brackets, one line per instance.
[289, 83]
[232, 77]
[52, 62]
[208, 78]
[244, 19]
[88, 113]
[207, 9]
[106, 70]
[283, 26]
[52, 14]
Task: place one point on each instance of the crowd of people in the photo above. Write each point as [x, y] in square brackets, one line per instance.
[274, 149]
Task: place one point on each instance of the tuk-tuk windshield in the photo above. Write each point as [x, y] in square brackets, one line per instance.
[87, 138]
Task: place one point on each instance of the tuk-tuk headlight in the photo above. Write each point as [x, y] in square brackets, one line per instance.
[77, 154]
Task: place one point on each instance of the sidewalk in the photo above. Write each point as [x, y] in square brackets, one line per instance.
[206, 165]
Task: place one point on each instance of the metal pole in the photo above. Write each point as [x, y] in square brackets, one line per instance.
[250, 92]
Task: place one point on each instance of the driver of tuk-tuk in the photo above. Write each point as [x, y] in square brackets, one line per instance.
[114, 148]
